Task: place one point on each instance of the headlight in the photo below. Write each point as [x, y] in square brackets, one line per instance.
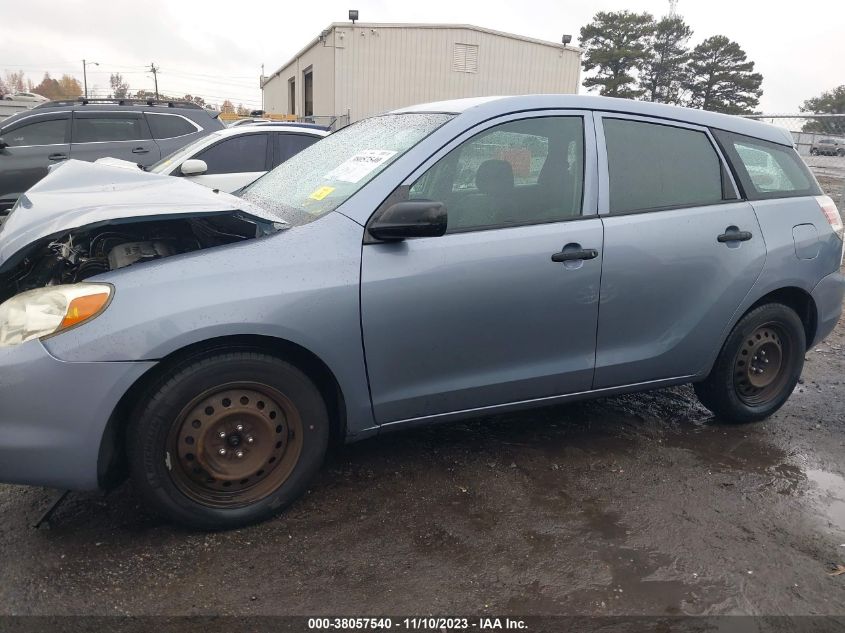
[45, 311]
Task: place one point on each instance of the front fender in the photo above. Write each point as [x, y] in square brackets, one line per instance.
[300, 285]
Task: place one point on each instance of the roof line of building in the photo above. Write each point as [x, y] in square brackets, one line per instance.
[398, 25]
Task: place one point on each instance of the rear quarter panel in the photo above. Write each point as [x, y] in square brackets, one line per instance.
[783, 268]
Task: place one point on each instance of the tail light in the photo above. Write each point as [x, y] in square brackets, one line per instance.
[828, 206]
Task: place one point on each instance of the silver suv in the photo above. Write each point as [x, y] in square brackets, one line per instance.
[828, 147]
[442, 261]
[87, 129]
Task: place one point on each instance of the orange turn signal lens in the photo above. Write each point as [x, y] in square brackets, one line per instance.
[83, 308]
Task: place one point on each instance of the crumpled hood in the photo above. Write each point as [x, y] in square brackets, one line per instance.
[76, 194]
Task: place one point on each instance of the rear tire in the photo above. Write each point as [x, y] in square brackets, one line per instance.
[814, 152]
[227, 440]
[758, 366]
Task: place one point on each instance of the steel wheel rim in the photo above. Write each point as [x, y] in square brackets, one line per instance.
[235, 444]
[762, 366]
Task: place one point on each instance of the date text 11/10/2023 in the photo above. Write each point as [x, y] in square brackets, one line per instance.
[417, 624]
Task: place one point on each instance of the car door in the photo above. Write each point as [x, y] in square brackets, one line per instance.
[503, 307]
[287, 144]
[234, 162]
[681, 250]
[172, 131]
[124, 135]
[33, 144]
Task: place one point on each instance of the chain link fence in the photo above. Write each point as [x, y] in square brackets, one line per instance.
[820, 140]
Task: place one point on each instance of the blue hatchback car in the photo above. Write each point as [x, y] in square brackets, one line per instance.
[442, 261]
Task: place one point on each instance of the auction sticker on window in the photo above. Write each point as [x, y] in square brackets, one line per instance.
[321, 193]
[360, 165]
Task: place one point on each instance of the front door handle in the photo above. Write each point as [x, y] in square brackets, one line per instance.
[140, 150]
[57, 157]
[733, 234]
[569, 256]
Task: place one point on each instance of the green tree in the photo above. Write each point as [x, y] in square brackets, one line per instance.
[616, 46]
[830, 102]
[119, 87]
[721, 78]
[663, 72]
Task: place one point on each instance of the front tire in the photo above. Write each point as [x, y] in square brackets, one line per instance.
[228, 439]
[758, 366]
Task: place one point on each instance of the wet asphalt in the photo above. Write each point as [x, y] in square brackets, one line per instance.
[641, 504]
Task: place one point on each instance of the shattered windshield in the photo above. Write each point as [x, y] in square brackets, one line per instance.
[322, 177]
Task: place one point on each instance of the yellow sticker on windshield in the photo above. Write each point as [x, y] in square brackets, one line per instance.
[321, 193]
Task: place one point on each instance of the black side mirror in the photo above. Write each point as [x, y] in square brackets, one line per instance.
[412, 218]
[3, 144]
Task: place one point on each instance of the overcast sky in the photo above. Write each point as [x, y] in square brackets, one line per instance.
[216, 49]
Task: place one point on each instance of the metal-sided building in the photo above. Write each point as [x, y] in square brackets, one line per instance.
[351, 71]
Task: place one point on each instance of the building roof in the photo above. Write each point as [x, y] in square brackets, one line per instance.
[390, 25]
[485, 107]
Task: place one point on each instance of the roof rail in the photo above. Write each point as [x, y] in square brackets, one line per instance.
[169, 103]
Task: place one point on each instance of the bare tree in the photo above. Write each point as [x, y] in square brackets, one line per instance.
[119, 87]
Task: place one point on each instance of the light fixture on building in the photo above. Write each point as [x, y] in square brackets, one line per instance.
[566, 39]
[353, 15]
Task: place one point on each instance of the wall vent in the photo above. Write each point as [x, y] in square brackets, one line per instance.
[465, 58]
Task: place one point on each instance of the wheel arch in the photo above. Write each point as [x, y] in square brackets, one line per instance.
[799, 300]
[791, 296]
[111, 462]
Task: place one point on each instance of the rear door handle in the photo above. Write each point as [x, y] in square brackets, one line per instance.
[140, 150]
[569, 256]
[57, 157]
[734, 236]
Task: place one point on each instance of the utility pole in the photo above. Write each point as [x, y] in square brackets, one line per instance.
[85, 74]
[154, 69]
[261, 82]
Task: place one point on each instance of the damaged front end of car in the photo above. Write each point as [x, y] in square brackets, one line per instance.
[84, 220]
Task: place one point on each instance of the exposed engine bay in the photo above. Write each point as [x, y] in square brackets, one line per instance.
[92, 250]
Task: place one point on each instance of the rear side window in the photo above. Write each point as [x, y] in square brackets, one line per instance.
[238, 154]
[288, 145]
[169, 125]
[40, 133]
[654, 166]
[107, 129]
[767, 170]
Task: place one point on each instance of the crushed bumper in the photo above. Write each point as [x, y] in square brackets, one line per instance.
[53, 415]
[828, 295]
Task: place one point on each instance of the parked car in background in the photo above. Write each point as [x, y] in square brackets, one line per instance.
[231, 158]
[442, 261]
[828, 147]
[137, 131]
[247, 122]
[25, 96]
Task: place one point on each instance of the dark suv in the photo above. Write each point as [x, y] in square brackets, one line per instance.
[88, 129]
[828, 147]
